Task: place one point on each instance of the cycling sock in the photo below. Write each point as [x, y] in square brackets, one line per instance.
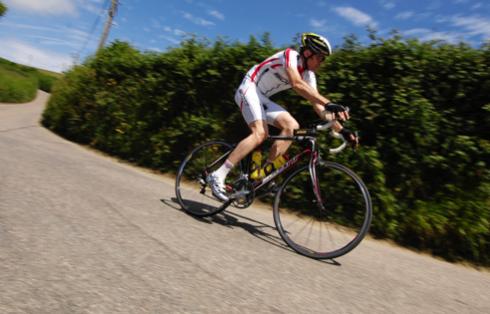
[223, 171]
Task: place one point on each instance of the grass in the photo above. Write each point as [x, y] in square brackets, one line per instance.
[19, 83]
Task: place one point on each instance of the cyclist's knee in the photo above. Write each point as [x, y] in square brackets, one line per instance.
[260, 131]
[294, 125]
[286, 123]
[290, 126]
[260, 136]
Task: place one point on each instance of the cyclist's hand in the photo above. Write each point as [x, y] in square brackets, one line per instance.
[334, 111]
[350, 137]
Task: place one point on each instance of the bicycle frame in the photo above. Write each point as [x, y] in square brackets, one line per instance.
[308, 135]
[314, 156]
[289, 164]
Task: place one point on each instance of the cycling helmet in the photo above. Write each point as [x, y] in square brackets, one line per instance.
[316, 43]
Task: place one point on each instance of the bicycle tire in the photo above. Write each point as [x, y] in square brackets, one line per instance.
[191, 189]
[346, 214]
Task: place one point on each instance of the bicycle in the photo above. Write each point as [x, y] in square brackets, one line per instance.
[318, 202]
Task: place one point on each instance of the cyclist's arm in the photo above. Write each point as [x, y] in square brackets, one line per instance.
[302, 88]
[305, 90]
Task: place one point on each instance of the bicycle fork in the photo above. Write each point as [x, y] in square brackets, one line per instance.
[314, 180]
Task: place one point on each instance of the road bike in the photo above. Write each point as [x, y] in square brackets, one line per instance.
[321, 209]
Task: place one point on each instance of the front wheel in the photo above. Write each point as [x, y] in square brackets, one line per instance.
[326, 225]
[191, 188]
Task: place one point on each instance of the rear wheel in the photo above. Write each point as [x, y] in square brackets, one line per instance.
[325, 228]
[192, 191]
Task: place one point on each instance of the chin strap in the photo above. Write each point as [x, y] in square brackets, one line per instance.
[305, 59]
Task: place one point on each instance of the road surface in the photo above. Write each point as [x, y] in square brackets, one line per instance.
[84, 233]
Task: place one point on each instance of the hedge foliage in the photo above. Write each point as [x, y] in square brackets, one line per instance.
[422, 110]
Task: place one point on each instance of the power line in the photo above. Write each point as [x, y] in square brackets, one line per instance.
[105, 6]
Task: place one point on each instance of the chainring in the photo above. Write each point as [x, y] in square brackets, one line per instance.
[243, 193]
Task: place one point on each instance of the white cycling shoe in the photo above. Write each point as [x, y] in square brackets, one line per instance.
[217, 187]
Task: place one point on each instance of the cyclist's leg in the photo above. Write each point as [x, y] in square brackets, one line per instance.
[283, 120]
[259, 132]
[248, 100]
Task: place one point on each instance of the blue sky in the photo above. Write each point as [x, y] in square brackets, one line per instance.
[54, 34]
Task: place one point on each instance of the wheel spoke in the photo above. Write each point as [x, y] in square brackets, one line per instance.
[191, 188]
[329, 232]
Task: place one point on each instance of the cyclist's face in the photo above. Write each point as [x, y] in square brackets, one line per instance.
[315, 61]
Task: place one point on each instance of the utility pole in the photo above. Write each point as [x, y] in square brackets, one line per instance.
[112, 12]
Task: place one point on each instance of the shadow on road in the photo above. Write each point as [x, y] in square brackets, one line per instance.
[260, 230]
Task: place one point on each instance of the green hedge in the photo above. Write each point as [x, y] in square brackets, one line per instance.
[422, 109]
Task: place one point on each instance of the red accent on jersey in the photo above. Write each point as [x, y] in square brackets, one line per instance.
[300, 70]
[260, 66]
[286, 54]
[243, 92]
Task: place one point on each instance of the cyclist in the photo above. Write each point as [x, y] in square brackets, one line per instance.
[284, 70]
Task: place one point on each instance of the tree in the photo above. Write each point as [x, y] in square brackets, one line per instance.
[3, 9]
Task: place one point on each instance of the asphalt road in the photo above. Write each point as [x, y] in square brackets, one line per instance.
[84, 233]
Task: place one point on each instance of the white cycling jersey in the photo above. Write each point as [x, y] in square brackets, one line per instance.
[270, 76]
[266, 79]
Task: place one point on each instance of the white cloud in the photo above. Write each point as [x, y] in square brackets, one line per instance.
[317, 24]
[70, 36]
[172, 34]
[473, 25]
[448, 37]
[26, 26]
[467, 27]
[170, 39]
[53, 41]
[216, 14]
[355, 16]
[93, 6]
[416, 31]
[197, 20]
[404, 15]
[476, 6]
[45, 7]
[155, 49]
[175, 31]
[387, 4]
[425, 34]
[24, 53]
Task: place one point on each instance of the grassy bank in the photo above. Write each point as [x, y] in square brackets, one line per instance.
[19, 83]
